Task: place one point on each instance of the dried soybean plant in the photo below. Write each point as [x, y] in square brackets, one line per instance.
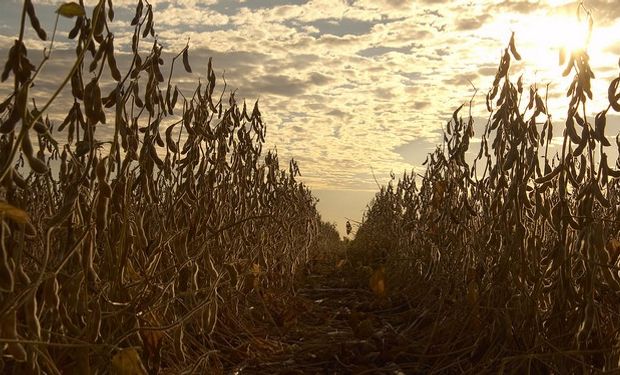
[157, 238]
[512, 259]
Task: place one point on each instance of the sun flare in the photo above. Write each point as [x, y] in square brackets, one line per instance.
[566, 32]
[543, 35]
[555, 31]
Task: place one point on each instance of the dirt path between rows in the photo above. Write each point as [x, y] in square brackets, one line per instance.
[340, 330]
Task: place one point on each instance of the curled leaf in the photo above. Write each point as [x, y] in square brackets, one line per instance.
[71, 9]
[128, 362]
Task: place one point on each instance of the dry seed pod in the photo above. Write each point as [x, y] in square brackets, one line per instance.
[233, 274]
[10, 64]
[8, 327]
[62, 214]
[11, 121]
[209, 317]
[179, 348]
[587, 322]
[116, 74]
[138, 14]
[186, 65]
[599, 195]
[169, 141]
[76, 27]
[137, 66]
[583, 166]
[34, 21]
[40, 127]
[37, 165]
[153, 155]
[30, 312]
[94, 321]
[87, 260]
[175, 96]
[158, 76]
[77, 90]
[98, 55]
[158, 140]
[569, 65]
[513, 49]
[549, 176]
[141, 230]
[600, 122]
[105, 190]
[584, 142]
[101, 169]
[50, 293]
[611, 94]
[7, 281]
[99, 21]
[136, 95]
[102, 212]
[149, 22]
[167, 101]
[110, 100]
[110, 11]
[92, 102]
[572, 133]
[17, 112]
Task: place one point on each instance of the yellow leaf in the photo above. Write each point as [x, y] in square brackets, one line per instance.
[364, 330]
[613, 249]
[70, 10]
[473, 293]
[17, 215]
[255, 269]
[128, 362]
[377, 282]
[151, 342]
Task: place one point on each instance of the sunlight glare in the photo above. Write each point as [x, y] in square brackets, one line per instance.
[566, 32]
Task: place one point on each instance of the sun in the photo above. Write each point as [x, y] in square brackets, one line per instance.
[542, 36]
[565, 32]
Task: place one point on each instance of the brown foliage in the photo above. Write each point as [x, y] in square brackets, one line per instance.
[513, 255]
[136, 241]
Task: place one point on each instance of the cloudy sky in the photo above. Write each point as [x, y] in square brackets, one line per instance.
[354, 89]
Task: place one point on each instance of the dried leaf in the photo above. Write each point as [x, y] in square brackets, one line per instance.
[13, 213]
[127, 362]
[71, 9]
[377, 282]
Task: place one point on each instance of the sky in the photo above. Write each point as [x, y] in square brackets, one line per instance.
[352, 89]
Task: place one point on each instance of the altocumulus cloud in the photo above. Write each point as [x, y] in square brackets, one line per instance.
[345, 86]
